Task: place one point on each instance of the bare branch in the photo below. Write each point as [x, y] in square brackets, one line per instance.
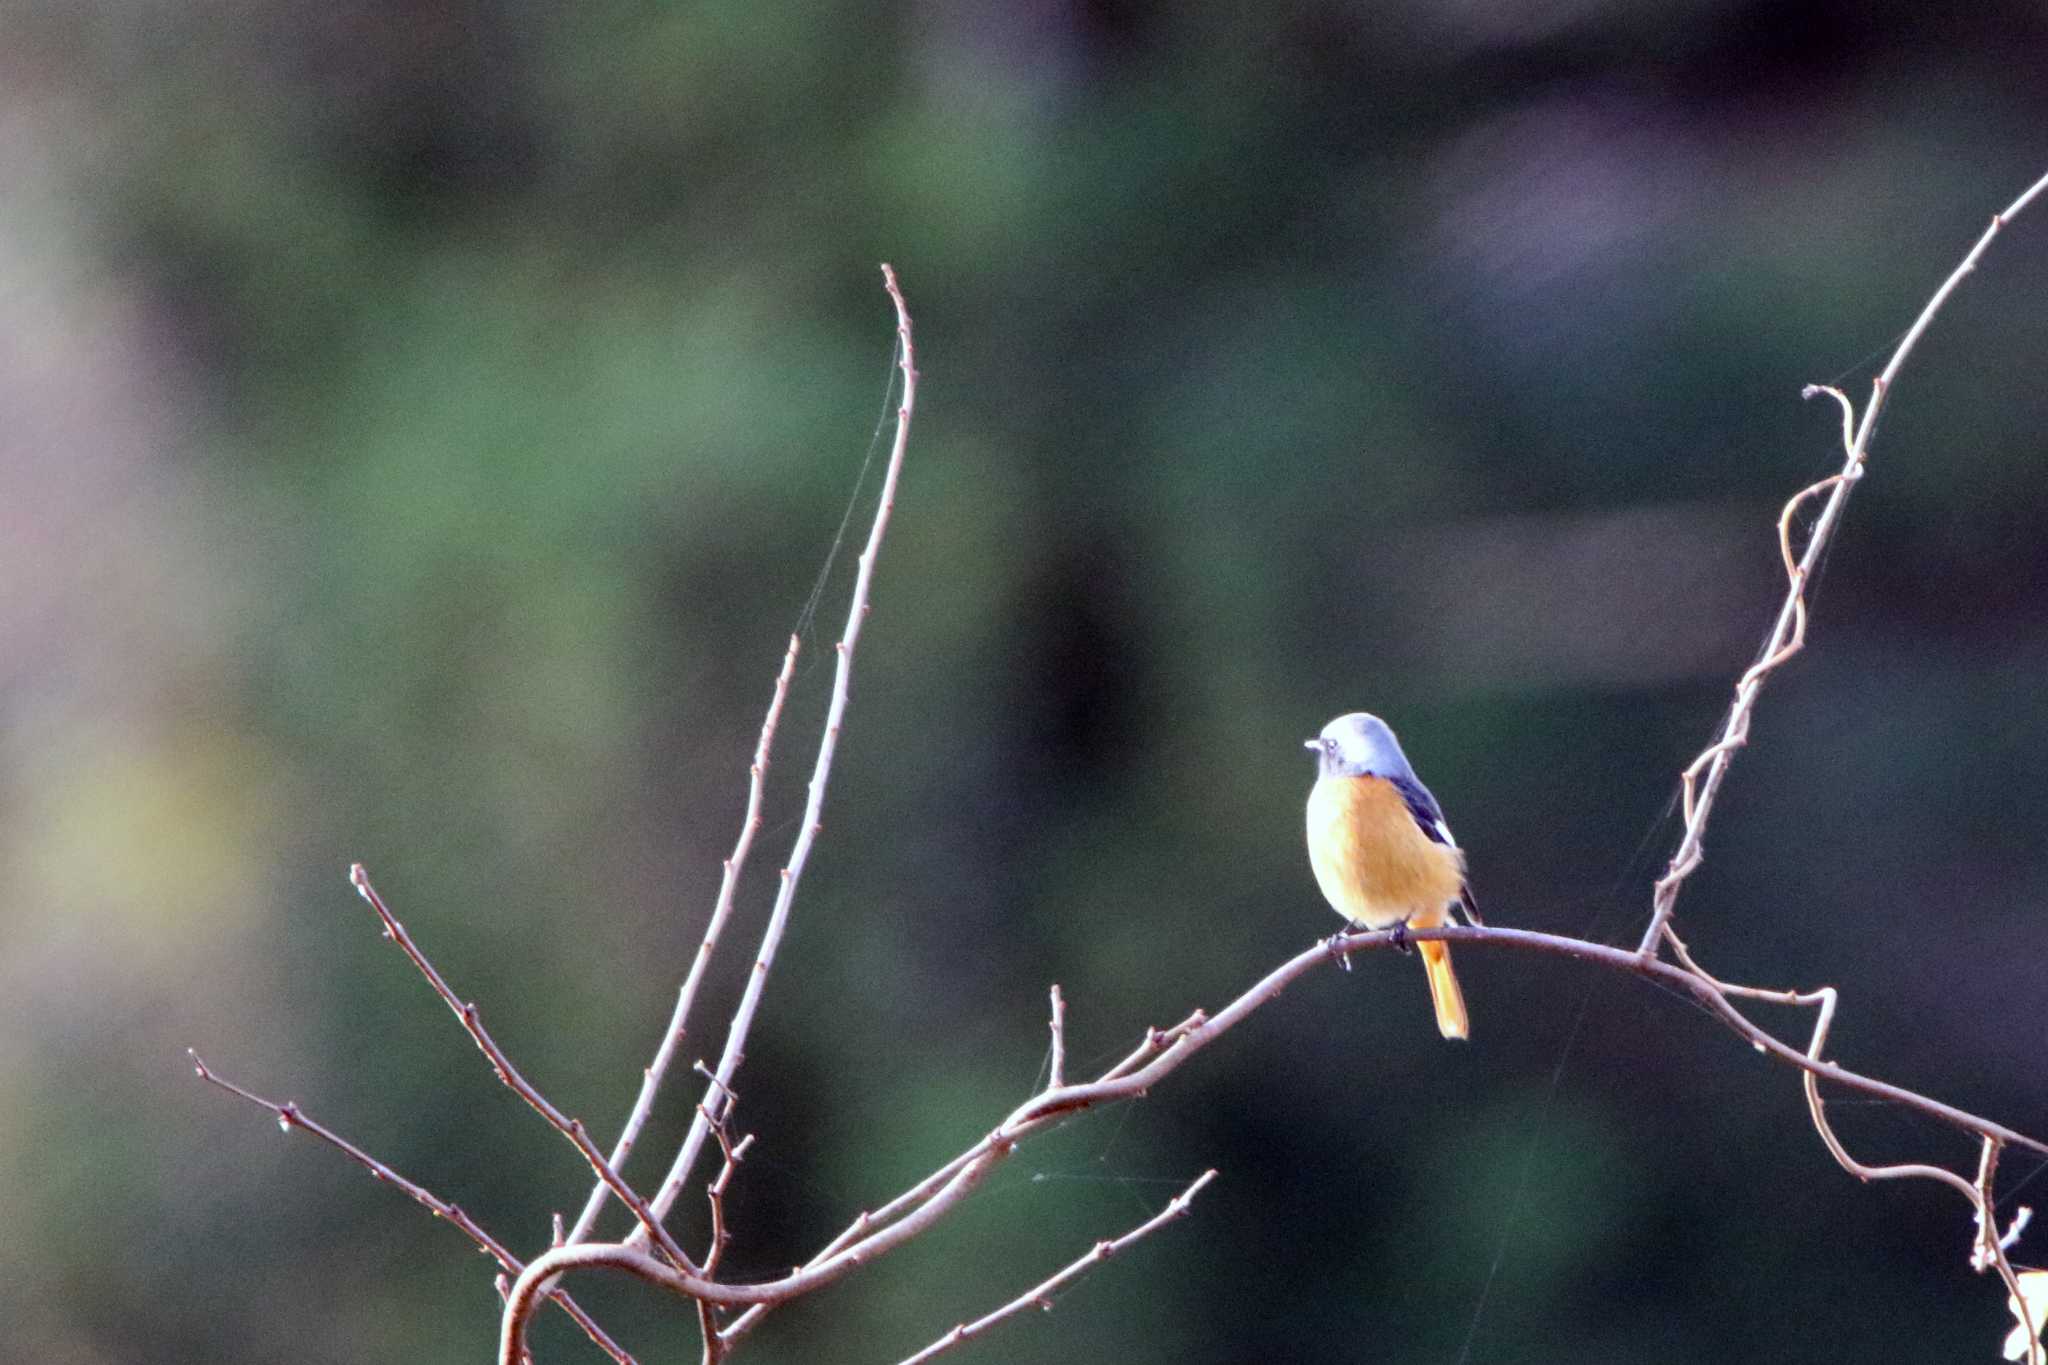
[835, 715]
[1040, 1295]
[537, 1280]
[707, 1314]
[735, 1153]
[707, 1327]
[721, 911]
[1160, 1052]
[1775, 997]
[910, 1214]
[1789, 634]
[472, 1023]
[1989, 1251]
[1904, 1171]
[1157, 1041]
[1988, 1243]
[1988, 1248]
[290, 1116]
[1056, 1072]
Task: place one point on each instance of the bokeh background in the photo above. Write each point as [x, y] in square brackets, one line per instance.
[422, 426]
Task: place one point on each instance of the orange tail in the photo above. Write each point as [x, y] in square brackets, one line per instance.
[1451, 1020]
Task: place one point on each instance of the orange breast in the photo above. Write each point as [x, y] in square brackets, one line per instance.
[1373, 862]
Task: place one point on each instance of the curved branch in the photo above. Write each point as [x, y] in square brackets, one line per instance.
[1911, 1170]
[910, 1214]
[290, 1116]
[1714, 996]
[473, 1024]
[1988, 1249]
[721, 911]
[1789, 632]
[717, 1094]
[538, 1280]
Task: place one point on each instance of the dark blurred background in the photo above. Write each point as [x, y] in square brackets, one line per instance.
[421, 428]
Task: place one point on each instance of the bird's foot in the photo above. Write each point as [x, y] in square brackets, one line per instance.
[1335, 944]
[1399, 938]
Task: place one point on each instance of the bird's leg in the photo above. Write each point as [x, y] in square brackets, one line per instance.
[1400, 938]
[1335, 944]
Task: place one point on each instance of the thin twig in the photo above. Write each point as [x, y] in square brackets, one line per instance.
[1988, 1244]
[1788, 634]
[835, 715]
[1903, 1171]
[1989, 1252]
[735, 1153]
[1040, 1295]
[1056, 1072]
[721, 911]
[1788, 637]
[472, 1023]
[1163, 1052]
[290, 1116]
[1155, 1042]
[1988, 1248]
[1824, 1001]
[707, 1328]
[707, 1314]
[1773, 996]
[874, 1235]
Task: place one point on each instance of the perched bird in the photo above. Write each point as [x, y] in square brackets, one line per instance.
[1381, 851]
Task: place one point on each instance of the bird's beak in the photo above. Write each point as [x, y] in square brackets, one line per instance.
[1311, 744]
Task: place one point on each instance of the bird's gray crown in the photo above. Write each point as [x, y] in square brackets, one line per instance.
[1359, 745]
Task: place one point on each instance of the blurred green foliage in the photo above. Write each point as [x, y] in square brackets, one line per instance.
[425, 427]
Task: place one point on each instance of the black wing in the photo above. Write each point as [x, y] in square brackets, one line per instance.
[1423, 807]
[1429, 818]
